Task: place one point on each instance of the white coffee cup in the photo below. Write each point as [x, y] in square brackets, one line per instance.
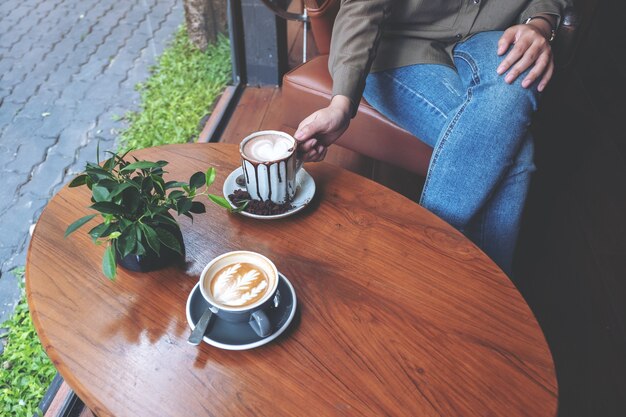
[270, 166]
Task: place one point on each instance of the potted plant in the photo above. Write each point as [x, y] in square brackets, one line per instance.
[135, 204]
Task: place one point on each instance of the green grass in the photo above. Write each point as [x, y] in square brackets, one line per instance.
[25, 372]
[183, 85]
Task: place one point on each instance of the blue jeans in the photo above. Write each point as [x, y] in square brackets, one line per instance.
[477, 124]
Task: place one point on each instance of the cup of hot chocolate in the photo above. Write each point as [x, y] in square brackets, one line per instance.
[239, 286]
[269, 163]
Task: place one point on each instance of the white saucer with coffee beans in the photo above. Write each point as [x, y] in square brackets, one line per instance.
[305, 192]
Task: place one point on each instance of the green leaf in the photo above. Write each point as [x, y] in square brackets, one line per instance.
[100, 193]
[197, 207]
[107, 207]
[143, 165]
[174, 184]
[151, 238]
[165, 219]
[78, 181]
[221, 201]
[101, 230]
[96, 172]
[169, 240]
[77, 224]
[114, 235]
[183, 205]
[210, 176]
[109, 164]
[141, 250]
[108, 263]
[121, 187]
[131, 199]
[147, 184]
[242, 207]
[159, 184]
[127, 241]
[176, 194]
[197, 180]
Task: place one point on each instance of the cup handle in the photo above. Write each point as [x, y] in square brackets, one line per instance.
[260, 323]
[299, 162]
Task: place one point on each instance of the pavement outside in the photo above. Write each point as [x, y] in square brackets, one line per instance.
[67, 68]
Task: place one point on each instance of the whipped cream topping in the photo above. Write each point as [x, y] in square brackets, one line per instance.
[268, 148]
[239, 284]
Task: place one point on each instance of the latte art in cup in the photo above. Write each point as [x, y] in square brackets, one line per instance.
[268, 147]
[239, 285]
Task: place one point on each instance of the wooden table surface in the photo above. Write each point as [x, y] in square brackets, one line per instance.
[399, 314]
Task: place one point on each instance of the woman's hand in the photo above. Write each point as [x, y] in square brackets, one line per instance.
[531, 49]
[322, 128]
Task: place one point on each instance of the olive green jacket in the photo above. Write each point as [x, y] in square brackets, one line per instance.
[381, 34]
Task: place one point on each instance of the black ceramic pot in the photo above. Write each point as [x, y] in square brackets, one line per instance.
[151, 260]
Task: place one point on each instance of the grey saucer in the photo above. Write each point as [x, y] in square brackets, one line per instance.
[240, 336]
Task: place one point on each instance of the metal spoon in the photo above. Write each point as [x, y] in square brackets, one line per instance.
[198, 332]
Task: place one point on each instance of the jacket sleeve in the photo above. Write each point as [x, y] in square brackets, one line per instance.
[355, 37]
[554, 7]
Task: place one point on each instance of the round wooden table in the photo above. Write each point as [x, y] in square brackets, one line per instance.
[398, 314]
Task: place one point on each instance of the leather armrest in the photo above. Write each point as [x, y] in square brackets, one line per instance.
[565, 38]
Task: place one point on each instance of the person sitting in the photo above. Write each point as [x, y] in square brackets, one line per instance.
[463, 76]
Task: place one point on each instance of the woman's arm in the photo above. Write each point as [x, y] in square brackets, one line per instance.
[355, 37]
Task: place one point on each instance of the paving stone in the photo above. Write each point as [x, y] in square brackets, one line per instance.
[38, 106]
[76, 91]
[24, 90]
[19, 131]
[58, 78]
[25, 208]
[7, 155]
[5, 66]
[29, 154]
[136, 44]
[14, 77]
[8, 190]
[8, 110]
[47, 175]
[90, 70]
[72, 138]
[53, 125]
[94, 106]
[18, 256]
[34, 56]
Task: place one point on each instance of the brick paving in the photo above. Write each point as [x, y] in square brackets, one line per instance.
[67, 67]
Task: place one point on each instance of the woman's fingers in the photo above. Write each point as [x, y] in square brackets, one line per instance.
[508, 38]
[540, 67]
[546, 76]
[529, 59]
[316, 154]
[530, 50]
